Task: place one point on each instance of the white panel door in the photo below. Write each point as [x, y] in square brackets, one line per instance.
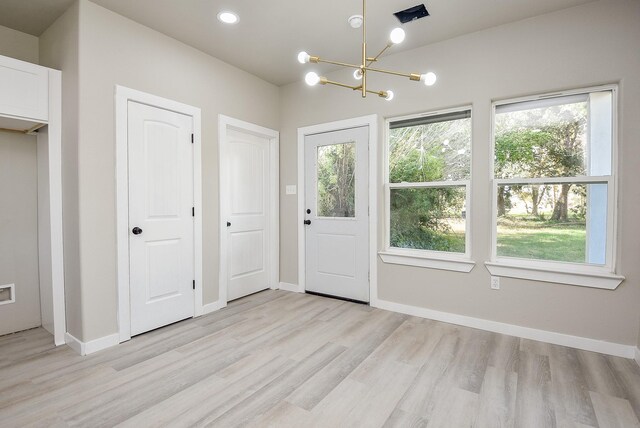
[337, 213]
[248, 196]
[161, 226]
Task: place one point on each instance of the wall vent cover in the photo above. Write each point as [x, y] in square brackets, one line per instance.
[412, 14]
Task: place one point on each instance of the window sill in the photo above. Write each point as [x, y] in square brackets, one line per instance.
[426, 261]
[583, 276]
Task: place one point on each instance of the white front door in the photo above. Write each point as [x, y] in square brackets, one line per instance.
[337, 213]
[247, 201]
[161, 226]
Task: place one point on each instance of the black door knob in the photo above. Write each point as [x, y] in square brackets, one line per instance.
[228, 224]
[136, 230]
[307, 222]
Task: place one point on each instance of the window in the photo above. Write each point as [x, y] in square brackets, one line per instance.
[554, 173]
[427, 186]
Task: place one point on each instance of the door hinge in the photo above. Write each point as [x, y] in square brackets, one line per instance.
[193, 211]
[192, 138]
[194, 284]
[369, 276]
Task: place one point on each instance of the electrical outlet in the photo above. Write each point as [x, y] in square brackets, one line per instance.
[495, 283]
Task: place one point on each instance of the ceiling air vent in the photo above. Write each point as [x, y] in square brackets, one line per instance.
[411, 14]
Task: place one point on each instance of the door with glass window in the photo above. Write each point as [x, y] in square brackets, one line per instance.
[337, 213]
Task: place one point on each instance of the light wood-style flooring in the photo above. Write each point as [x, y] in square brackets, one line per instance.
[292, 360]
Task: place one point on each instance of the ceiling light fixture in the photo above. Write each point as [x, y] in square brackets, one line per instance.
[397, 36]
[228, 17]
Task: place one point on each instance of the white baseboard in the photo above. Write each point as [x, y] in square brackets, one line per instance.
[74, 343]
[637, 356]
[290, 287]
[211, 307]
[609, 348]
[86, 348]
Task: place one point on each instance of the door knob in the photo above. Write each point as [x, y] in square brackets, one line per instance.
[136, 230]
[307, 222]
[228, 224]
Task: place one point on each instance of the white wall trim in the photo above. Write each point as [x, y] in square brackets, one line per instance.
[226, 123]
[399, 257]
[372, 122]
[584, 276]
[122, 97]
[286, 286]
[208, 308]
[92, 346]
[587, 344]
[55, 205]
[637, 356]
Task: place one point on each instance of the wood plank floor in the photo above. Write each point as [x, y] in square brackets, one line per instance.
[294, 360]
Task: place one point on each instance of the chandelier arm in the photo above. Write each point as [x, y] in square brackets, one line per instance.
[378, 93]
[375, 58]
[354, 88]
[342, 85]
[364, 48]
[412, 76]
[343, 64]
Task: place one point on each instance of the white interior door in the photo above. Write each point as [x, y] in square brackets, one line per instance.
[161, 223]
[248, 217]
[337, 213]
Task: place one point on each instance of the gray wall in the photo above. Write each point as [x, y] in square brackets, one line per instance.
[59, 50]
[114, 50]
[19, 231]
[16, 44]
[18, 217]
[587, 45]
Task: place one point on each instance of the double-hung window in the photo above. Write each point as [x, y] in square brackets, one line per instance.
[554, 187]
[428, 159]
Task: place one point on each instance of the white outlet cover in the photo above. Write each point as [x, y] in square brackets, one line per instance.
[291, 189]
[495, 283]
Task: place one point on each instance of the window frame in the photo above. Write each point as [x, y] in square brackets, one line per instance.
[582, 274]
[460, 262]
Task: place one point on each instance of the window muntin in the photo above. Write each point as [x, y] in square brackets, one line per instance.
[429, 170]
[553, 186]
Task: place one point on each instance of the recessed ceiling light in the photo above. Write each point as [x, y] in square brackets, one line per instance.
[228, 17]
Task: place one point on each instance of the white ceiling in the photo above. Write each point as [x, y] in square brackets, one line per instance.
[270, 33]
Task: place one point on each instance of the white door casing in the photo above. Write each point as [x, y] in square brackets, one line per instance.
[249, 242]
[337, 213]
[161, 220]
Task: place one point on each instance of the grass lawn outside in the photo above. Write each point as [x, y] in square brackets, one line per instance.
[531, 238]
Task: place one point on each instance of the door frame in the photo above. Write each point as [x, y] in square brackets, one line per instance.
[372, 122]
[122, 97]
[226, 123]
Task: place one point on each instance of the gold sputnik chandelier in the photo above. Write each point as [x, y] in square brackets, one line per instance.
[361, 70]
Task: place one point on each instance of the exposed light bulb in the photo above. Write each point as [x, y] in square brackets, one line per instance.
[397, 36]
[357, 74]
[312, 78]
[303, 57]
[428, 78]
[389, 96]
[228, 17]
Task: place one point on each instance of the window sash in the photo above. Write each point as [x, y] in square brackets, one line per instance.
[551, 264]
[430, 185]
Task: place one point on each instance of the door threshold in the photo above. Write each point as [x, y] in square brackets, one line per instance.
[346, 299]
